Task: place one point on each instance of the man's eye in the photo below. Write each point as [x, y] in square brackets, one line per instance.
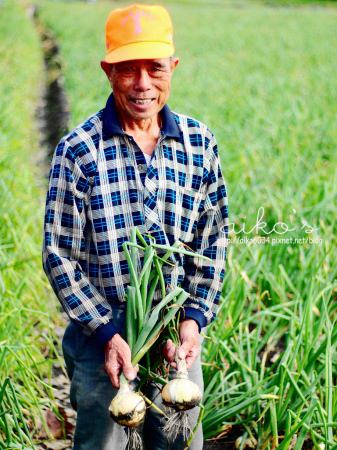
[158, 71]
[126, 69]
[129, 69]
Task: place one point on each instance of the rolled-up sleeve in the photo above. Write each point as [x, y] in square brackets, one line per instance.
[204, 279]
[65, 240]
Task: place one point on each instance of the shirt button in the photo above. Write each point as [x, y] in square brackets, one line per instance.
[142, 167]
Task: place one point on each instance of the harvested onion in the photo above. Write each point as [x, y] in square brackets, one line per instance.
[180, 394]
[127, 408]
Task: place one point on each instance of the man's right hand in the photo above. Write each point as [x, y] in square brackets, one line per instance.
[118, 360]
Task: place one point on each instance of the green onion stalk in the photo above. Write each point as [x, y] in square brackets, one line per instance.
[145, 322]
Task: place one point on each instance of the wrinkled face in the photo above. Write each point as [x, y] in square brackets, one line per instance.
[142, 87]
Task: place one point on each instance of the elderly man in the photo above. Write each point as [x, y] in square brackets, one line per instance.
[134, 163]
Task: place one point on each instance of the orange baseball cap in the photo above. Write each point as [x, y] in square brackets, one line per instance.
[138, 32]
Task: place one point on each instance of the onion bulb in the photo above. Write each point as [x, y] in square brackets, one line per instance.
[127, 408]
[181, 393]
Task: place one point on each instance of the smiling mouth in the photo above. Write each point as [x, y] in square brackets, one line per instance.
[141, 101]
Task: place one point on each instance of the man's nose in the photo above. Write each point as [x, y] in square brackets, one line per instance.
[142, 80]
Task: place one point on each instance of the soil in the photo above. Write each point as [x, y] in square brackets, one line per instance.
[53, 111]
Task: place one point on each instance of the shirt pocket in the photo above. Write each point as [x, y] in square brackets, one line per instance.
[179, 209]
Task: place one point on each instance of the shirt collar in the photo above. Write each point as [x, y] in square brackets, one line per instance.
[111, 124]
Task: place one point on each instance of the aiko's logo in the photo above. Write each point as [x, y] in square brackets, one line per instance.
[261, 227]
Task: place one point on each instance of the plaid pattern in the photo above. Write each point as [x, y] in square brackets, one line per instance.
[100, 187]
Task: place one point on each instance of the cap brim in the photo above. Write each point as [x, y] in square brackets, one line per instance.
[139, 50]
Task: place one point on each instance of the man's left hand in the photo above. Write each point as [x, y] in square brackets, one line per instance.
[190, 344]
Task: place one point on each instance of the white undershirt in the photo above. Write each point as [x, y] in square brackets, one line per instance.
[147, 158]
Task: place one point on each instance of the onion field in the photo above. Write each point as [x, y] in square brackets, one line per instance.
[27, 310]
[263, 77]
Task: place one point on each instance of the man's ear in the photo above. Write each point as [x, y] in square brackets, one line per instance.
[174, 60]
[107, 68]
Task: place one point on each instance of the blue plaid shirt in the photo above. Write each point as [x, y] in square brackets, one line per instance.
[100, 187]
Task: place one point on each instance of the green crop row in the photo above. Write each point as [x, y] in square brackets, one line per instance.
[26, 306]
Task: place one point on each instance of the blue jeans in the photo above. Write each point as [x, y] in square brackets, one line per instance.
[91, 392]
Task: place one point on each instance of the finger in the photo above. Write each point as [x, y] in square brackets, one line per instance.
[192, 356]
[182, 352]
[187, 345]
[169, 351]
[189, 363]
[112, 366]
[170, 347]
[113, 371]
[190, 360]
[129, 371]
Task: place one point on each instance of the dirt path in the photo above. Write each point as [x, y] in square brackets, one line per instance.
[53, 111]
